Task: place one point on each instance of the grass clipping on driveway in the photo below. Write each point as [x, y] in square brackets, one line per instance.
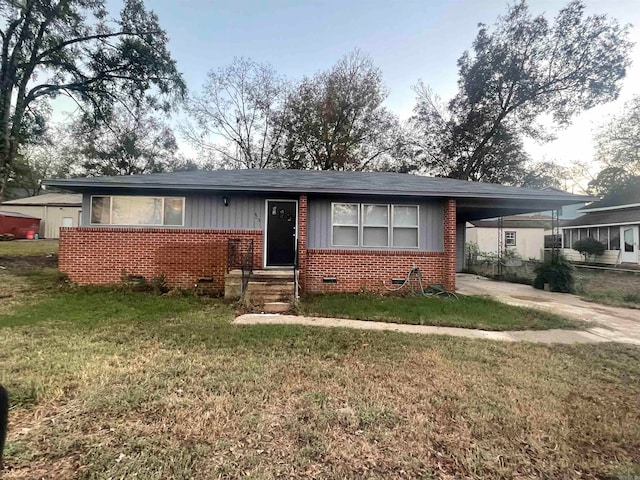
[110, 384]
[466, 311]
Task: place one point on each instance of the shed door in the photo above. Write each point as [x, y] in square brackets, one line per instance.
[281, 233]
[67, 221]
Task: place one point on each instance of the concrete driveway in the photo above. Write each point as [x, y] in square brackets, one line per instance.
[611, 323]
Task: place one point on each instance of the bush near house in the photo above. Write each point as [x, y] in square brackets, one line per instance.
[558, 273]
[589, 247]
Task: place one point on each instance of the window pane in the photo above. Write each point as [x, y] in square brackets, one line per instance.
[405, 237]
[345, 236]
[566, 239]
[345, 214]
[375, 215]
[375, 237]
[405, 216]
[100, 208]
[593, 233]
[136, 211]
[614, 241]
[173, 211]
[603, 236]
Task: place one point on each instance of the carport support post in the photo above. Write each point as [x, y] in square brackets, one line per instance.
[450, 244]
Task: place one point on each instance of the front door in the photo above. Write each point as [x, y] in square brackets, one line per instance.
[629, 244]
[281, 233]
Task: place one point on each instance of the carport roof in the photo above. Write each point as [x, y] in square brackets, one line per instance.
[509, 199]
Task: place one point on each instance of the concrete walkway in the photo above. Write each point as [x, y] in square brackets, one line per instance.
[614, 324]
[542, 336]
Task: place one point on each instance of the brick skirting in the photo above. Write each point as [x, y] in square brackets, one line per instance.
[97, 255]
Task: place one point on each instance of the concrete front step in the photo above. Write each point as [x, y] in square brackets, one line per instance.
[263, 285]
[276, 307]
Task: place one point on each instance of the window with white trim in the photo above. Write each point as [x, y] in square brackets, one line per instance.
[510, 239]
[137, 210]
[345, 224]
[405, 226]
[374, 225]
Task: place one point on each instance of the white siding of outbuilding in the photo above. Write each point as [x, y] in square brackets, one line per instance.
[50, 216]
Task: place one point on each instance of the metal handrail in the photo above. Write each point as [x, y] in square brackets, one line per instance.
[240, 255]
[296, 270]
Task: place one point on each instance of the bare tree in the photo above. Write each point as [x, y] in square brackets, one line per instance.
[239, 115]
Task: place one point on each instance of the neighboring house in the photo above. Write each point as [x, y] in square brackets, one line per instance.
[54, 209]
[523, 234]
[348, 230]
[613, 221]
[18, 225]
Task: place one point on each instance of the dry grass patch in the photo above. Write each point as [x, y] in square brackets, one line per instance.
[619, 289]
[187, 394]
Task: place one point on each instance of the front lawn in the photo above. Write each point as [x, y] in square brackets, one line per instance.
[29, 247]
[110, 384]
[466, 311]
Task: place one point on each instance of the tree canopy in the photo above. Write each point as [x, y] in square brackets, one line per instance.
[522, 68]
[618, 149]
[336, 119]
[74, 48]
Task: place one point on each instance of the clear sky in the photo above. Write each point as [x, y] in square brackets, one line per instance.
[407, 39]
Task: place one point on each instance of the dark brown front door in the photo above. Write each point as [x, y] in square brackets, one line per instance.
[281, 233]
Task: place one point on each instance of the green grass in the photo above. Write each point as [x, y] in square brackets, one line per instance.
[109, 384]
[29, 247]
[466, 311]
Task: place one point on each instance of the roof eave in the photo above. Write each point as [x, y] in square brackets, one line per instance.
[80, 185]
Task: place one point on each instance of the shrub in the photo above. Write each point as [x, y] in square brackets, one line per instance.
[558, 273]
[589, 247]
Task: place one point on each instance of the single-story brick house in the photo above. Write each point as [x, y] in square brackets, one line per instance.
[348, 230]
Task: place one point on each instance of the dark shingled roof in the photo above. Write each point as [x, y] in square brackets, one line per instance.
[312, 181]
[627, 195]
[609, 217]
[516, 221]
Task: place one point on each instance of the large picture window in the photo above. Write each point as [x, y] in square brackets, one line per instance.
[374, 225]
[137, 210]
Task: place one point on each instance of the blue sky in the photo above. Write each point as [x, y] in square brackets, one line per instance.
[407, 39]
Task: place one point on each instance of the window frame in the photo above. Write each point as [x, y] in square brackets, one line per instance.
[361, 225]
[417, 226]
[357, 225]
[515, 238]
[144, 225]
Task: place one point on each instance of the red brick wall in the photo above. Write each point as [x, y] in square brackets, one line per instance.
[91, 255]
[302, 239]
[368, 269]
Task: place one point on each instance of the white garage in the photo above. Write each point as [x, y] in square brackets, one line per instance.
[55, 209]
